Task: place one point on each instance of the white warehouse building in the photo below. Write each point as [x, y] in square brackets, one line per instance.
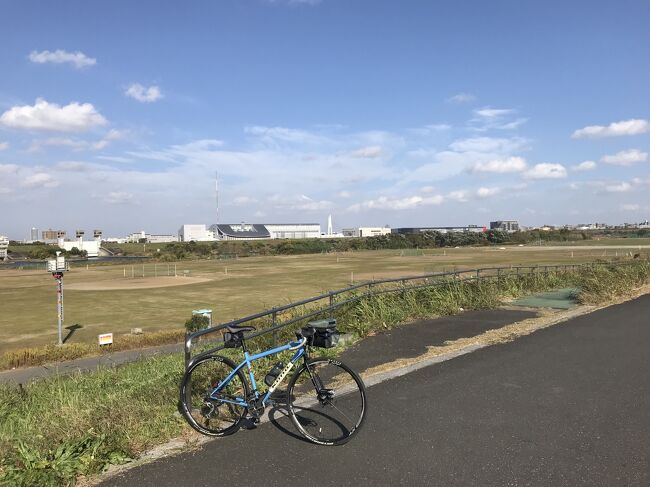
[365, 231]
[293, 230]
[196, 233]
[256, 231]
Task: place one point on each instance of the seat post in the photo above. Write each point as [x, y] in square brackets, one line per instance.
[243, 345]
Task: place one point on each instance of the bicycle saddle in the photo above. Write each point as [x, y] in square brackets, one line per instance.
[235, 329]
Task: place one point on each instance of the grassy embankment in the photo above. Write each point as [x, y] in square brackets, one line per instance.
[54, 430]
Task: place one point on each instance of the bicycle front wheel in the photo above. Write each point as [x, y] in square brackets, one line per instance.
[210, 413]
[327, 401]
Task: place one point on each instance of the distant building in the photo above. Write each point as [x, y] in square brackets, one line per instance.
[240, 231]
[293, 230]
[52, 236]
[415, 230]
[196, 233]
[33, 235]
[366, 231]
[151, 238]
[256, 231]
[505, 225]
[4, 245]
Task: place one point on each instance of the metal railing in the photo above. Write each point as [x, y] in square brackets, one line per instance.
[372, 288]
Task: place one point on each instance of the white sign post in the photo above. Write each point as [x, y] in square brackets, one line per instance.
[57, 267]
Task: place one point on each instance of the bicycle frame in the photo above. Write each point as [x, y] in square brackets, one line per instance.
[300, 348]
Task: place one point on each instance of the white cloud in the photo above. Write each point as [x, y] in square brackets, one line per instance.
[143, 94]
[489, 145]
[624, 127]
[40, 180]
[487, 192]
[496, 118]
[370, 152]
[79, 166]
[585, 166]
[118, 198]
[511, 164]
[4, 145]
[115, 159]
[618, 188]
[462, 98]
[284, 134]
[385, 203]
[43, 115]
[546, 171]
[488, 112]
[630, 207]
[431, 129]
[625, 157]
[77, 59]
[459, 195]
[344, 194]
[300, 202]
[8, 169]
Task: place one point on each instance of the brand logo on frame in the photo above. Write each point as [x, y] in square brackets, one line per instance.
[281, 377]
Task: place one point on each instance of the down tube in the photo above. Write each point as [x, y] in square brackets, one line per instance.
[296, 356]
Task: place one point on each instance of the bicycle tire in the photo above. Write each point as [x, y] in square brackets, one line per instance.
[315, 414]
[202, 412]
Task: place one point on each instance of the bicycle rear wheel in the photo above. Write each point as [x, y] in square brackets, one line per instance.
[210, 414]
[327, 401]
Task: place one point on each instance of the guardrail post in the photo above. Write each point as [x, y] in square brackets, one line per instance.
[188, 353]
[499, 278]
[331, 300]
[478, 274]
[275, 332]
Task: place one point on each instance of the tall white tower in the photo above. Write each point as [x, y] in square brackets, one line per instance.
[216, 194]
[329, 225]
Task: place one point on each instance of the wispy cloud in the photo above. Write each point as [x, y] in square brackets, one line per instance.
[77, 59]
[4, 146]
[40, 180]
[546, 171]
[625, 158]
[585, 166]
[488, 118]
[386, 203]
[615, 129]
[462, 98]
[508, 165]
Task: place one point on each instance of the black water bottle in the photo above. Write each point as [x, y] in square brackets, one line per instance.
[273, 374]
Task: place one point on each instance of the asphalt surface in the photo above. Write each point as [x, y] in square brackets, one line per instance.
[412, 340]
[565, 406]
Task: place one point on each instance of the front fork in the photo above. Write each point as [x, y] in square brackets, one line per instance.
[324, 395]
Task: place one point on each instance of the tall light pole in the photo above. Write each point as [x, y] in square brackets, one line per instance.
[57, 267]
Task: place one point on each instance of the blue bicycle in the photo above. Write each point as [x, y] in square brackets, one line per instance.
[325, 399]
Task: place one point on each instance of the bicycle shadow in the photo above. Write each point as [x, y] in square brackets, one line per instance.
[279, 413]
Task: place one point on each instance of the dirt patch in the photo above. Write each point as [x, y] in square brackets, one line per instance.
[137, 283]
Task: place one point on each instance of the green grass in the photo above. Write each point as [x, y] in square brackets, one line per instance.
[53, 430]
[28, 298]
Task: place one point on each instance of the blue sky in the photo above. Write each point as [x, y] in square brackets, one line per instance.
[117, 115]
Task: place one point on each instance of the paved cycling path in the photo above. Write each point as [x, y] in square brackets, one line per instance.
[567, 406]
[383, 348]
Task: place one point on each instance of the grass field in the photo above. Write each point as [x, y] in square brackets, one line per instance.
[101, 299]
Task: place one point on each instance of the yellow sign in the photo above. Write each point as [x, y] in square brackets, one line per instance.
[106, 339]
